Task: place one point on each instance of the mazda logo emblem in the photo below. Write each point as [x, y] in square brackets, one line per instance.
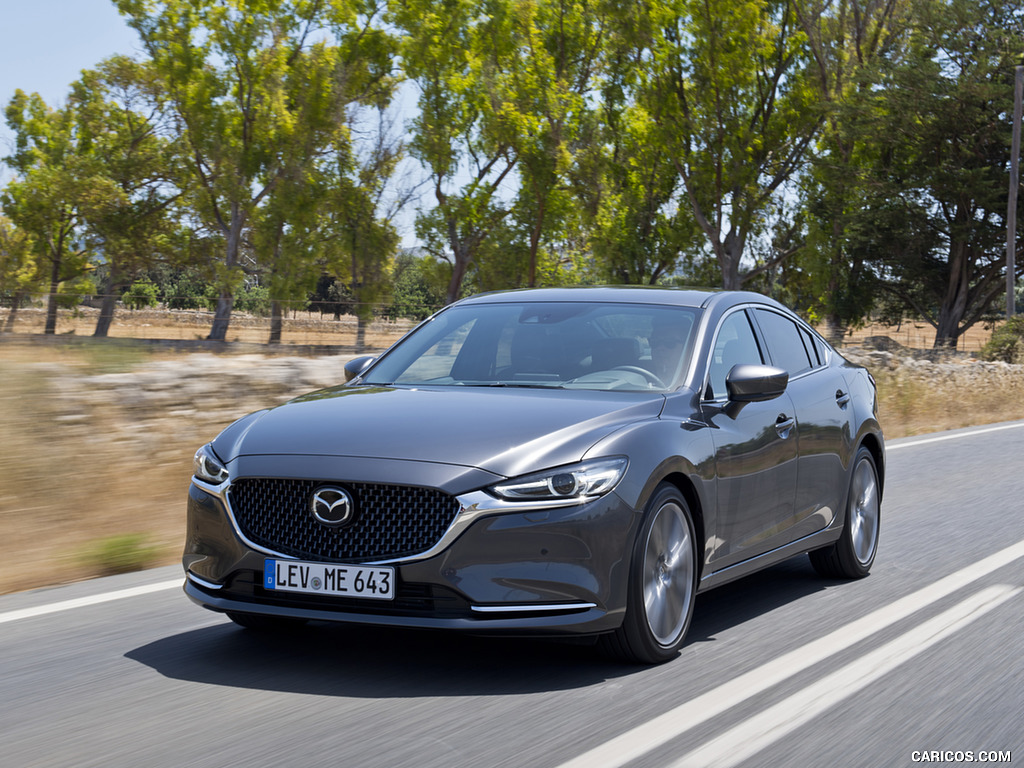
[332, 506]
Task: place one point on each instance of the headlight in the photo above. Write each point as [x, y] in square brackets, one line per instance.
[207, 467]
[586, 480]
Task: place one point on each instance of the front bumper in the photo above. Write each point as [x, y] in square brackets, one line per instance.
[499, 568]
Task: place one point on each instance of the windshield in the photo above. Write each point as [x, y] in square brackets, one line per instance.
[630, 347]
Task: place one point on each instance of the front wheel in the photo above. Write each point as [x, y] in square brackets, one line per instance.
[851, 556]
[662, 583]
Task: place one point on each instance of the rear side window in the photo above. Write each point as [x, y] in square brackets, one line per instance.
[785, 344]
[812, 350]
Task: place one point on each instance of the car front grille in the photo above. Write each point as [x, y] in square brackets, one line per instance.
[389, 521]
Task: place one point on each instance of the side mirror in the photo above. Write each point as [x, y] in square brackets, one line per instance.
[356, 367]
[755, 383]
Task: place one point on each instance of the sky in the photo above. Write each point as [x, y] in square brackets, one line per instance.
[45, 44]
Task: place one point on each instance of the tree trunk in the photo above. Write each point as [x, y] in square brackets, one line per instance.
[221, 317]
[954, 303]
[275, 322]
[110, 291]
[226, 302]
[19, 296]
[947, 331]
[729, 261]
[360, 332]
[459, 269]
[51, 304]
[106, 318]
[535, 234]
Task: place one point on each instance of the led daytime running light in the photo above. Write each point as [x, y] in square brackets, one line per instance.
[586, 480]
[206, 467]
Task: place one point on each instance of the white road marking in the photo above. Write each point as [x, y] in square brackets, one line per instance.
[81, 602]
[764, 729]
[942, 438]
[640, 740]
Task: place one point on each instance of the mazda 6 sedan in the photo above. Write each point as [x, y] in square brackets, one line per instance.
[575, 462]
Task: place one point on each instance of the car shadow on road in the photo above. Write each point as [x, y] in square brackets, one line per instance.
[752, 596]
[370, 662]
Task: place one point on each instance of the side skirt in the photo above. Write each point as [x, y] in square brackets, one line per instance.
[801, 546]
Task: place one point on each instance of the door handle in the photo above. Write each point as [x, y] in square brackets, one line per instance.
[842, 398]
[784, 425]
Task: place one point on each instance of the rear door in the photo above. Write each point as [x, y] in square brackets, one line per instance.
[823, 420]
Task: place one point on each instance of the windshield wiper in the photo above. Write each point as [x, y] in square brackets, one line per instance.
[520, 385]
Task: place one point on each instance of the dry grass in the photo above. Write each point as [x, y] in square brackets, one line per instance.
[298, 327]
[80, 488]
[68, 485]
[916, 404]
[918, 335]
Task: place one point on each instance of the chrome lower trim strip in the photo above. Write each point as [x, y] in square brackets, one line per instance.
[202, 582]
[555, 608]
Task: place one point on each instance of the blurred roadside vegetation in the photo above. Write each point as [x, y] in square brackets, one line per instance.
[94, 480]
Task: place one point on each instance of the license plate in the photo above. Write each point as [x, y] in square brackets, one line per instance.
[375, 582]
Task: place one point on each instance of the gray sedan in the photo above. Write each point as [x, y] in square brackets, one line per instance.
[574, 462]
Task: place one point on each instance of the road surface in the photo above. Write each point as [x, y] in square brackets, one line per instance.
[923, 661]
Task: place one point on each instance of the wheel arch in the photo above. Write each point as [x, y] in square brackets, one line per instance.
[684, 484]
[872, 442]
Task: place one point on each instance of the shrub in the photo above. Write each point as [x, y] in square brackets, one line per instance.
[141, 295]
[254, 299]
[1007, 342]
[123, 553]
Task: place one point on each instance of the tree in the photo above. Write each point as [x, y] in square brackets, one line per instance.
[137, 173]
[453, 50]
[235, 74]
[540, 97]
[942, 146]
[47, 199]
[19, 270]
[850, 41]
[414, 293]
[727, 85]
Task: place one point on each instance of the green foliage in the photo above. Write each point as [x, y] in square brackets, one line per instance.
[123, 553]
[47, 200]
[141, 295]
[843, 157]
[185, 289]
[19, 267]
[254, 299]
[416, 294]
[1006, 343]
[262, 91]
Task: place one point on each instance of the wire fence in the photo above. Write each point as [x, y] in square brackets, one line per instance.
[298, 327]
[327, 323]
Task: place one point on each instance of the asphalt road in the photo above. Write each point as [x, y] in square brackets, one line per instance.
[782, 669]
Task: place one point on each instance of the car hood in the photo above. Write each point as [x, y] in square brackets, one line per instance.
[507, 432]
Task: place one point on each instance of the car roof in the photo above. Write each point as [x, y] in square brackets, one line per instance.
[624, 294]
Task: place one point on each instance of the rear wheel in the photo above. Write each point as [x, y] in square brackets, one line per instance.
[662, 583]
[851, 556]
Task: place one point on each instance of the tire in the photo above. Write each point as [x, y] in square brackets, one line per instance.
[264, 623]
[662, 583]
[851, 556]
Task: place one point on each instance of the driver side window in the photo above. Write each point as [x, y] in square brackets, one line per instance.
[734, 345]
